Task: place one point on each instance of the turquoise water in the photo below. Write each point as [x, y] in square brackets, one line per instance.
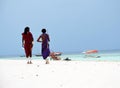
[110, 55]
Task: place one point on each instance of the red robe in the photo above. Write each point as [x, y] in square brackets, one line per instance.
[28, 39]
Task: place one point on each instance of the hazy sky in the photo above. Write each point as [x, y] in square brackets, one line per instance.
[73, 25]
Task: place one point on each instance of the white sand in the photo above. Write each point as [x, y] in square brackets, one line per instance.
[59, 74]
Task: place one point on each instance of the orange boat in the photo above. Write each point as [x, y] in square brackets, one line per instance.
[91, 51]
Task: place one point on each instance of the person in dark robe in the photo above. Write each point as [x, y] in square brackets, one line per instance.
[27, 43]
[44, 39]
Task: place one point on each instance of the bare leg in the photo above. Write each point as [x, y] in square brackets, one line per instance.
[30, 60]
[27, 60]
[47, 61]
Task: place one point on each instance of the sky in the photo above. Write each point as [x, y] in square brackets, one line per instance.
[73, 25]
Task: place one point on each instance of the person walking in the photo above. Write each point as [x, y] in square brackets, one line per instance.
[44, 39]
[27, 44]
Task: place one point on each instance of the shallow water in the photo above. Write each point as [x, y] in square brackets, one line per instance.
[110, 55]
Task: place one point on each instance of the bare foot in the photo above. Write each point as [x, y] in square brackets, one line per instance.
[47, 62]
[30, 62]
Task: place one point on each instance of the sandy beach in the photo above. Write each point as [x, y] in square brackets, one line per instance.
[59, 74]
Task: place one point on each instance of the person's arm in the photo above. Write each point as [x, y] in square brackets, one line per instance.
[23, 41]
[32, 39]
[38, 40]
[48, 38]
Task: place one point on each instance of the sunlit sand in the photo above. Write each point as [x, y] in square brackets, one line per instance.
[59, 74]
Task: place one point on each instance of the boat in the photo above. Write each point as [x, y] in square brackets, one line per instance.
[56, 53]
[38, 55]
[90, 51]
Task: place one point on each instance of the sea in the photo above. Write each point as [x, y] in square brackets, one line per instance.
[101, 55]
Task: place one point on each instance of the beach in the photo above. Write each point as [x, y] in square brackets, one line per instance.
[59, 74]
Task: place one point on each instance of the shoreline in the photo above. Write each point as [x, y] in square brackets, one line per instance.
[42, 60]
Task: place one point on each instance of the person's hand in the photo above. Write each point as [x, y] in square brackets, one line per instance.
[39, 41]
[23, 45]
[32, 42]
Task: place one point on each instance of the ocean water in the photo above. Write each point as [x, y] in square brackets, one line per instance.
[103, 55]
